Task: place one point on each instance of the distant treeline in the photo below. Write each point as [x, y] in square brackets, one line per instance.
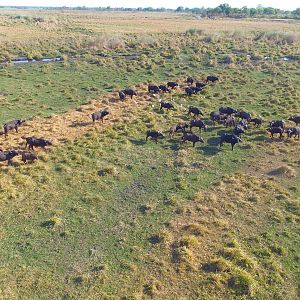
[223, 10]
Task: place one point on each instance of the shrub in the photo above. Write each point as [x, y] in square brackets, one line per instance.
[194, 31]
[242, 283]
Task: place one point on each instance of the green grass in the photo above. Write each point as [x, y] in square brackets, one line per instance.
[109, 216]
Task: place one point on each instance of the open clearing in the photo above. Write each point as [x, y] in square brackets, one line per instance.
[104, 215]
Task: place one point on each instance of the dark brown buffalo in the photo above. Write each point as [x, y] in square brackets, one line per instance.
[155, 135]
[99, 115]
[178, 127]
[191, 137]
[293, 131]
[29, 156]
[274, 130]
[36, 142]
[8, 155]
[295, 119]
[12, 125]
[230, 139]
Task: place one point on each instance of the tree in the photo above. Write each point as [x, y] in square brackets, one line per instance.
[297, 12]
[179, 9]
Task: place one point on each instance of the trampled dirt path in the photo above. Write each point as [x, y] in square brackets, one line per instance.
[77, 122]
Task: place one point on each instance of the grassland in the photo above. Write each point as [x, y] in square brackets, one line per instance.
[105, 215]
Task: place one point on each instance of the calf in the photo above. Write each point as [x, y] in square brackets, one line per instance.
[166, 105]
[155, 135]
[8, 155]
[243, 115]
[12, 125]
[164, 88]
[277, 123]
[274, 130]
[178, 127]
[212, 78]
[230, 139]
[190, 80]
[36, 142]
[191, 137]
[153, 89]
[195, 110]
[230, 121]
[295, 119]
[122, 96]
[200, 85]
[257, 121]
[130, 92]
[172, 84]
[28, 156]
[198, 123]
[293, 131]
[189, 91]
[99, 115]
[227, 110]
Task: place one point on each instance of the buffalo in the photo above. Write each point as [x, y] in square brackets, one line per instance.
[227, 110]
[99, 115]
[178, 127]
[153, 89]
[12, 125]
[277, 123]
[196, 90]
[29, 156]
[130, 92]
[36, 142]
[189, 91]
[172, 84]
[194, 110]
[212, 78]
[198, 123]
[256, 121]
[122, 96]
[166, 105]
[217, 117]
[8, 155]
[155, 135]
[191, 137]
[190, 80]
[295, 119]
[230, 139]
[243, 115]
[164, 88]
[274, 130]
[200, 85]
[238, 130]
[293, 131]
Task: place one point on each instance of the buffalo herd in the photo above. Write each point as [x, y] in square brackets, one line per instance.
[239, 120]
[230, 117]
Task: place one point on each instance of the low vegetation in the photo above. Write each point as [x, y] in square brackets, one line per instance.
[103, 214]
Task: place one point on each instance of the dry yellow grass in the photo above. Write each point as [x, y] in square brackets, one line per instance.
[75, 123]
[127, 22]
